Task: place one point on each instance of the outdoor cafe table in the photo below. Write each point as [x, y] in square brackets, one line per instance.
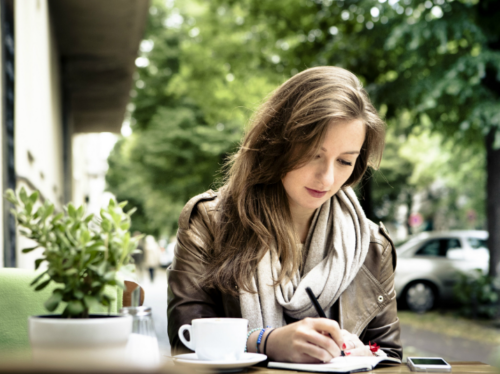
[457, 367]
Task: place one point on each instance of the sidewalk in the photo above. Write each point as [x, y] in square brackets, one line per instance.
[449, 337]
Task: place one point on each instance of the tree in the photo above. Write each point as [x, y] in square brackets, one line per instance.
[439, 61]
[449, 72]
[174, 153]
[215, 61]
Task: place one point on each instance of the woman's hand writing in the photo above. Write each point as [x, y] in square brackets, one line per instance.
[311, 340]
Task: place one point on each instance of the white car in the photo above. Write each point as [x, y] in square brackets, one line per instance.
[428, 264]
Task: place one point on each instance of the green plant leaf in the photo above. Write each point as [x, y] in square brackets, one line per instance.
[71, 271]
[120, 283]
[42, 285]
[110, 275]
[123, 204]
[53, 301]
[132, 211]
[48, 211]
[125, 225]
[11, 196]
[106, 215]
[34, 197]
[78, 294]
[25, 233]
[80, 212]
[128, 271]
[38, 212]
[38, 262]
[27, 250]
[75, 307]
[106, 225]
[38, 278]
[90, 301]
[57, 217]
[101, 269]
[71, 211]
[106, 300]
[85, 237]
[97, 247]
[23, 195]
[28, 206]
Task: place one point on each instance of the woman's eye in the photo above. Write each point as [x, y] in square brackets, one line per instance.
[317, 156]
[347, 163]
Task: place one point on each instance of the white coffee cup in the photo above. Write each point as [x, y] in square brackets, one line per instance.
[216, 339]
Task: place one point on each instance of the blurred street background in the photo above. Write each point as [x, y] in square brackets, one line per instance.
[144, 101]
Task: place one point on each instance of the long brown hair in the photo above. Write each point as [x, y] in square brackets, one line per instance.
[286, 132]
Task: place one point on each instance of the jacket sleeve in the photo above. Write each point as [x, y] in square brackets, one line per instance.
[384, 328]
[186, 300]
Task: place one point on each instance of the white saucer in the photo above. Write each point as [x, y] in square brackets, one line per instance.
[248, 359]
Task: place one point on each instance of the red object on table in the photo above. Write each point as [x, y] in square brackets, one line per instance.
[374, 348]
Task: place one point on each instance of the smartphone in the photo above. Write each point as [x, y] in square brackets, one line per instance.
[428, 364]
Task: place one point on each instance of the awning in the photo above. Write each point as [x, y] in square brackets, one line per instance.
[98, 42]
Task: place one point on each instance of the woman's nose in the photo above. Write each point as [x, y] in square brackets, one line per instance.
[327, 175]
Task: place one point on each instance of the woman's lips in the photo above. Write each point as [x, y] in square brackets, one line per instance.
[315, 193]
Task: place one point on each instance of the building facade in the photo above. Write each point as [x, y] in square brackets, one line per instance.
[66, 70]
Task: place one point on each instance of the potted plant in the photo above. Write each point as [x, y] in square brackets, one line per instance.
[82, 255]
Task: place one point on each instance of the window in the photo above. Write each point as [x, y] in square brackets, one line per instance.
[476, 243]
[431, 248]
[452, 244]
[438, 247]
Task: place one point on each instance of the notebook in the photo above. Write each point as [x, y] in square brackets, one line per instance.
[338, 364]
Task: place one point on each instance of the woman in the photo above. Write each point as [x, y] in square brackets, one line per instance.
[286, 219]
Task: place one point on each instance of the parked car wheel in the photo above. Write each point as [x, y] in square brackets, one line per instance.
[420, 297]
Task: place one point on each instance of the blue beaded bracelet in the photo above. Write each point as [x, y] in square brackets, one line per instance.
[259, 339]
[248, 335]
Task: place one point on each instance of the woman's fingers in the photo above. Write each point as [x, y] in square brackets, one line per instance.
[324, 342]
[362, 350]
[329, 326]
[314, 353]
[349, 344]
[351, 341]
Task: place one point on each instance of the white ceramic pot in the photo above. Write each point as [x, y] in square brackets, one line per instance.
[79, 340]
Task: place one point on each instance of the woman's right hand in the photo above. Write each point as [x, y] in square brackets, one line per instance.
[307, 340]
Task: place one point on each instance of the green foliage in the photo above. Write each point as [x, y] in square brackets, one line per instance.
[176, 158]
[429, 68]
[83, 254]
[451, 183]
[478, 293]
[176, 149]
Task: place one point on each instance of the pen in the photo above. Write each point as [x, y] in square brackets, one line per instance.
[319, 309]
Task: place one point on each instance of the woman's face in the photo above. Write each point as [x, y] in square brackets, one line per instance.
[314, 183]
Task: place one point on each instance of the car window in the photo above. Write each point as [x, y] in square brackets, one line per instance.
[438, 247]
[476, 243]
[431, 248]
[452, 244]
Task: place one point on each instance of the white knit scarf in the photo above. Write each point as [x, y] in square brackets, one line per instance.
[336, 246]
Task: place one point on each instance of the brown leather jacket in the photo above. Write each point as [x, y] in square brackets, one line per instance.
[367, 307]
